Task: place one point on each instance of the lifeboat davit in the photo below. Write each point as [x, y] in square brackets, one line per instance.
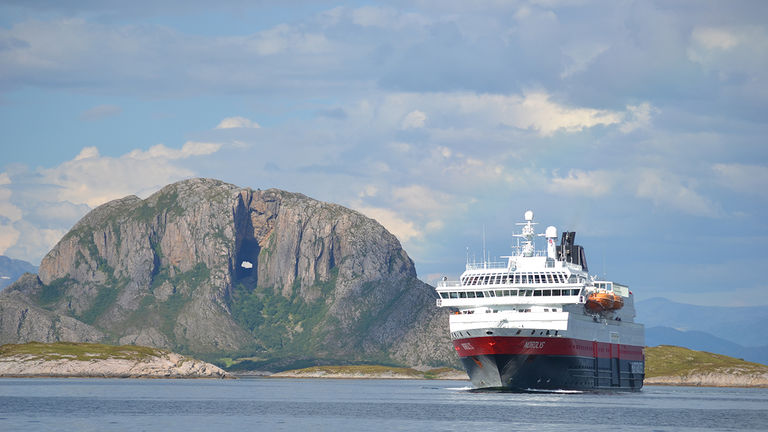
[601, 301]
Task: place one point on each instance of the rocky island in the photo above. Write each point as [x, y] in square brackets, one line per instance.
[67, 359]
[672, 365]
[219, 271]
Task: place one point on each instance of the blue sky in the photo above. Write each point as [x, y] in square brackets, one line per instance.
[639, 124]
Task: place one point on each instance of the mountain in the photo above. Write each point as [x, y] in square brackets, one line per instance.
[216, 270]
[702, 341]
[740, 325]
[11, 269]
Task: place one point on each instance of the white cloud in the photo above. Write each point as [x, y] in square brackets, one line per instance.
[715, 38]
[580, 56]
[94, 179]
[33, 241]
[8, 211]
[369, 191]
[403, 229]
[159, 151]
[9, 236]
[536, 111]
[284, 39]
[460, 110]
[743, 178]
[583, 183]
[237, 122]
[638, 117]
[414, 120]
[87, 153]
[667, 190]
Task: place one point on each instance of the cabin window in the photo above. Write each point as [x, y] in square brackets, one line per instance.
[511, 292]
[528, 293]
[537, 293]
[556, 292]
[499, 293]
[444, 295]
[470, 294]
[549, 278]
[479, 293]
[462, 295]
[490, 294]
[454, 295]
[547, 292]
[485, 279]
[546, 310]
[504, 279]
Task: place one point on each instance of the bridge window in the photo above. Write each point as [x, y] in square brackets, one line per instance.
[470, 294]
[462, 295]
[479, 293]
[537, 293]
[547, 292]
[454, 295]
[556, 292]
[549, 278]
[444, 295]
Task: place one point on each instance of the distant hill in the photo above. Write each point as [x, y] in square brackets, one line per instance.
[703, 341]
[216, 270]
[674, 365]
[741, 325]
[11, 269]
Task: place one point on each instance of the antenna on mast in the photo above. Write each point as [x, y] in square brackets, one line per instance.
[484, 257]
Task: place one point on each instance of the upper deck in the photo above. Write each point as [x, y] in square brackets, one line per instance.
[555, 276]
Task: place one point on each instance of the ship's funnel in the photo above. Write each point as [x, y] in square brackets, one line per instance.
[551, 234]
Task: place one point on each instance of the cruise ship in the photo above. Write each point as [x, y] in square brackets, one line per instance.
[539, 321]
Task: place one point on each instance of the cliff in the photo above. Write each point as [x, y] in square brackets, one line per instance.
[671, 365]
[213, 269]
[102, 361]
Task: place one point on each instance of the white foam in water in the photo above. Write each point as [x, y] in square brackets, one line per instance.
[555, 391]
[460, 388]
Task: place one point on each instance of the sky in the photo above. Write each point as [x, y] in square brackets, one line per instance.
[641, 125]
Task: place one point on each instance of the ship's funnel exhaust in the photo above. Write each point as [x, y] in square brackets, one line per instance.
[551, 234]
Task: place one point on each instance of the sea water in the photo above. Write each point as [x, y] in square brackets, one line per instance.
[134, 405]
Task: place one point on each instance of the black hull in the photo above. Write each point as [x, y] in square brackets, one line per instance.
[527, 372]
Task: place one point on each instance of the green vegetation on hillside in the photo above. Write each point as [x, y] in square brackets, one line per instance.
[665, 360]
[78, 351]
[278, 323]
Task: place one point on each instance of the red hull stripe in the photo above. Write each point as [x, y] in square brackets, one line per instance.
[545, 346]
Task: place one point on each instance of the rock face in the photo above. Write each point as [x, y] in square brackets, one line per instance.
[211, 268]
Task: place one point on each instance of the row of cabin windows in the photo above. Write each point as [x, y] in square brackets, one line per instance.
[509, 293]
[517, 278]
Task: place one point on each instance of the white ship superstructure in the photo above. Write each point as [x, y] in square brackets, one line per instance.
[539, 320]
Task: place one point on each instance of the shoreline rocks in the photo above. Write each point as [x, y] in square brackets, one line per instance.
[711, 380]
[162, 365]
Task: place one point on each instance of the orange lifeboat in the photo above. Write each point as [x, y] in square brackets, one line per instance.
[618, 302]
[600, 301]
